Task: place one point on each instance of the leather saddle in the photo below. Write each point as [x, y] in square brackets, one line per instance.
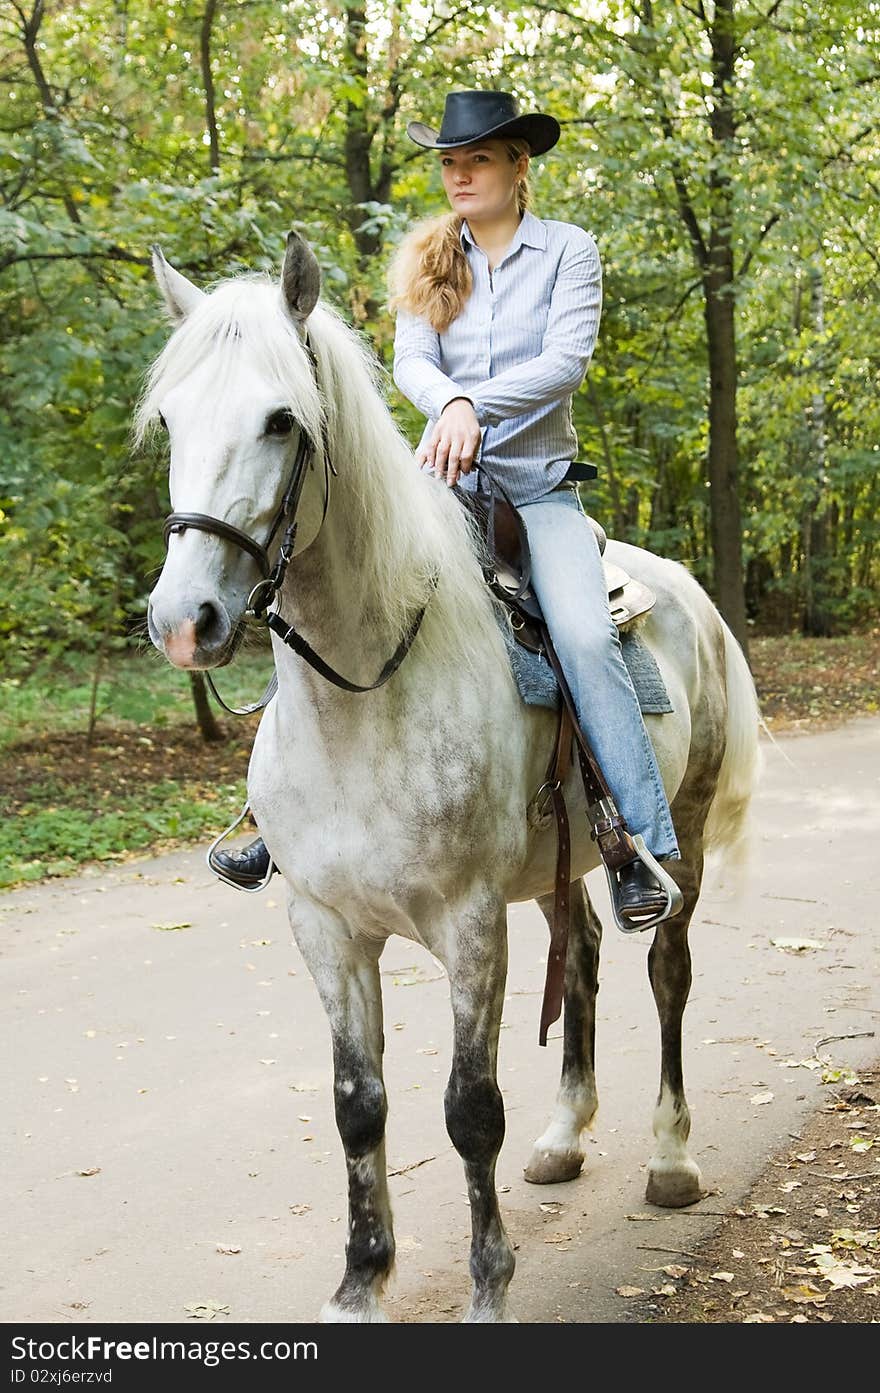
[507, 565]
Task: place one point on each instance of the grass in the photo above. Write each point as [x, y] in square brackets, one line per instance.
[136, 689]
[145, 783]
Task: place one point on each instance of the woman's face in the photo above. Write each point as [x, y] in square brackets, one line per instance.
[480, 180]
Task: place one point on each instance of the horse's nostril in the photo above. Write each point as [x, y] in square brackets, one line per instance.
[210, 628]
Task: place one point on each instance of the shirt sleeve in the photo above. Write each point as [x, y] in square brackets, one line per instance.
[417, 370]
[569, 340]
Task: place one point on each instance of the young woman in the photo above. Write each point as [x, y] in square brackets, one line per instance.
[497, 316]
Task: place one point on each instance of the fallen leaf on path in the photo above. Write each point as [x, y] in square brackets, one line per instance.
[551, 1207]
[630, 1291]
[205, 1310]
[93, 1170]
[759, 1318]
[760, 1098]
[796, 945]
[803, 1295]
[722, 1276]
[842, 1275]
[856, 1238]
[172, 928]
[299, 1208]
[228, 1248]
[674, 1269]
[862, 1144]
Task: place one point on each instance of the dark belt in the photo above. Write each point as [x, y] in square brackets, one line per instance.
[579, 473]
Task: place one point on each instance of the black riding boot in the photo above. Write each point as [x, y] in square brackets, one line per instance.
[246, 868]
[640, 891]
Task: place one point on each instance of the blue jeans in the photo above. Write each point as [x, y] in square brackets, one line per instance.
[569, 581]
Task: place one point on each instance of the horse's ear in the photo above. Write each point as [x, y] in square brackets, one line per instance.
[179, 294]
[300, 277]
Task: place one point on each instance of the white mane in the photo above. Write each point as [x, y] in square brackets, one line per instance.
[412, 527]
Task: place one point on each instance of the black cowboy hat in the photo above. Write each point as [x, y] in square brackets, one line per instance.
[472, 116]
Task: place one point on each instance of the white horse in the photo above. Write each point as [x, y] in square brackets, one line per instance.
[403, 811]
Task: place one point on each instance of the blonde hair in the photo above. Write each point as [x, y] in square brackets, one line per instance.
[429, 274]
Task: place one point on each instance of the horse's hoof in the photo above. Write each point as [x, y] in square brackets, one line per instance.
[486, 1316]
[553, 1167]
[675, 1189]
[334, 1314]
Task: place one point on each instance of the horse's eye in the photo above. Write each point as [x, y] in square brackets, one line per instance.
[280, 422]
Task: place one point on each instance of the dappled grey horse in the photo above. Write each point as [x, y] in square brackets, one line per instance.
[403, 810]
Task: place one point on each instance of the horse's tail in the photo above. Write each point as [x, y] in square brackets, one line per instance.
[726, 822]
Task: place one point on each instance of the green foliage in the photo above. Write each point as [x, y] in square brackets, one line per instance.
[55, 839]
[138, 689]
[104, 149]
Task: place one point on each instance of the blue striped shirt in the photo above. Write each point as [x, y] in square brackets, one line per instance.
[519, 350]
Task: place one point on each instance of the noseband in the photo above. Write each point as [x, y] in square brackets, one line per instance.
[266, 591]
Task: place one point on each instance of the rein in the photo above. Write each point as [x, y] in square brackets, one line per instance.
[267, 590]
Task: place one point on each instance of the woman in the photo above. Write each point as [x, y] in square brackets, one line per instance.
[497, 315]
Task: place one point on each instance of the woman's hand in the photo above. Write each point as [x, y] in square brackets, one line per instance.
[454, 441]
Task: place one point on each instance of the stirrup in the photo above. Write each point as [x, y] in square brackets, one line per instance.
[221, 874]
[674, 897]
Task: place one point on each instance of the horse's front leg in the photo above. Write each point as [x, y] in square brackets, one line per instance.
[346, 973]
[673, 1177]
[474, 1108]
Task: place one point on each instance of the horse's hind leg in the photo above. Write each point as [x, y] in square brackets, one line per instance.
[474, 1107]
[673, 1178]
[558, 1154]
[346, 974]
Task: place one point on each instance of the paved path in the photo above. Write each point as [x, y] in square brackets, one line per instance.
[168, 1089]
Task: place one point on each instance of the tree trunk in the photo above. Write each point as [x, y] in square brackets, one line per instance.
[714, 259]
[725, 519]
[816, 620]
[362, 132]
[209, 727]
[208, 84]
[720, 316]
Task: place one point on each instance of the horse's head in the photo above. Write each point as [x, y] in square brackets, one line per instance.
[236, 391]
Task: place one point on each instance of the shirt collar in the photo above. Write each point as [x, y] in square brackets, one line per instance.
[531, 233]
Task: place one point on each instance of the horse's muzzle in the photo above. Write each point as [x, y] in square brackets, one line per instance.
[206, 639]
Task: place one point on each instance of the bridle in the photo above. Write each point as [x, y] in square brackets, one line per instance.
[266, 591]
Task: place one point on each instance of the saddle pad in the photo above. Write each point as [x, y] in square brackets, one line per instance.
[538, 687]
